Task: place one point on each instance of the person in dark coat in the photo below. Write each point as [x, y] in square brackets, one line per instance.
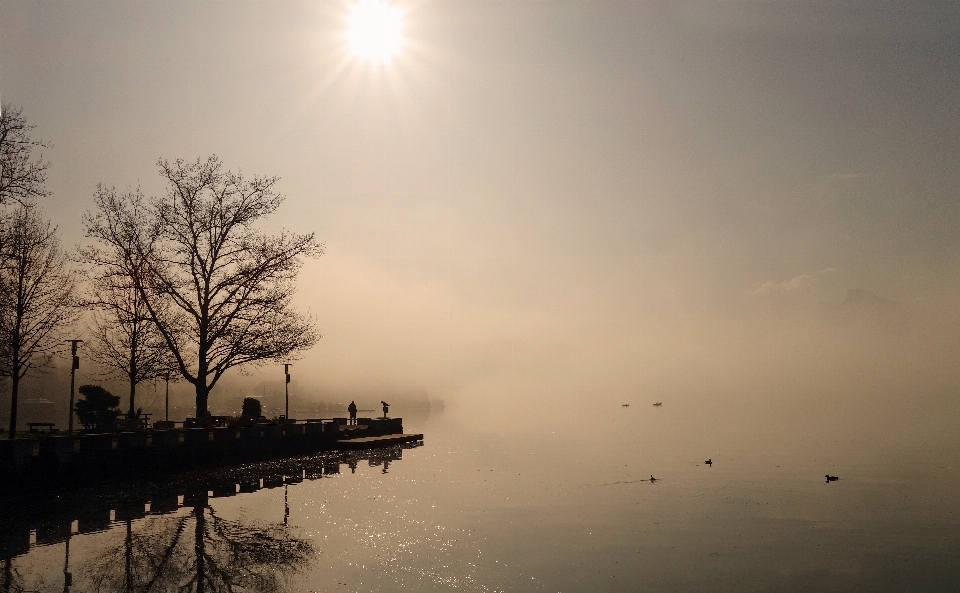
[352, 408]
[386, 407]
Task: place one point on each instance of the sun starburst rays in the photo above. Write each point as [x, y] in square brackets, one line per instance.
[375, 31]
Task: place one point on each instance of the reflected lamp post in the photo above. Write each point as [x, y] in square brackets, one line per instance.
[67, 575]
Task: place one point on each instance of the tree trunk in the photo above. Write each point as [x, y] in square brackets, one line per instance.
[202, 393]
[14, 392]
[132, 374]
[133, 392]
[201, 384]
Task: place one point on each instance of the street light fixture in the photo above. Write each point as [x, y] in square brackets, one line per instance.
[74, 365]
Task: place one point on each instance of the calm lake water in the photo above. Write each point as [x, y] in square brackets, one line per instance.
[556, 501]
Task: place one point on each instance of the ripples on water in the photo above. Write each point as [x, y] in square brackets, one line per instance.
[559, 504]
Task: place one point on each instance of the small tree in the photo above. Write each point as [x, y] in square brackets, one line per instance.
[251, 408]
[97, 408]
[37, 300]
[22, 177]
[125, 340]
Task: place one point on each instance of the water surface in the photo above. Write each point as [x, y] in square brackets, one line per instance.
[561, 501]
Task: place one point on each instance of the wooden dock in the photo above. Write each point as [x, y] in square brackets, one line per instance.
[373, 442]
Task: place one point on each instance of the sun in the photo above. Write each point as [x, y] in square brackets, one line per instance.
[375, 30]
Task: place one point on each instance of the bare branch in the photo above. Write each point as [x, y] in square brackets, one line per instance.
[217, 290]
[22, 177]
[37, 296]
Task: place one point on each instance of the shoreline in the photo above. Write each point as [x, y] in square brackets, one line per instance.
[48, 462]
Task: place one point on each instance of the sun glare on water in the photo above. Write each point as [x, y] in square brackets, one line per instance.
[375, 30]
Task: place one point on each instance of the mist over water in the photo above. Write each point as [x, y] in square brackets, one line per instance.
[561, 501]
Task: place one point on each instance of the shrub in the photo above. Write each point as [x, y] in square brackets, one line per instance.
[98, 408]
[251, 408]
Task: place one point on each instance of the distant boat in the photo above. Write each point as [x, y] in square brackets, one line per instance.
[658, 404]
[709, 462]
[832, 478]
[626, 405]
[652, 479]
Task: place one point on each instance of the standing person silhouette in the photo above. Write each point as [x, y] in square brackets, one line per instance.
[352, 408]
[386, 407]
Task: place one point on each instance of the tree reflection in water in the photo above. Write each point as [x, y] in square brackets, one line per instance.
[11, 581]
[224, 555]
[182, 545]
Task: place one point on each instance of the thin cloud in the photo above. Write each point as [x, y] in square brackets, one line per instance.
[794, 285]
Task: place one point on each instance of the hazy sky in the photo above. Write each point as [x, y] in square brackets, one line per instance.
[625, 198]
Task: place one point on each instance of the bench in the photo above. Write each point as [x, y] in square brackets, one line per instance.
[36, 426]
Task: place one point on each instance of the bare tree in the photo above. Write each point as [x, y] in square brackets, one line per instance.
[21, 176]
[218, 290]
[36, 297]
[126, 341]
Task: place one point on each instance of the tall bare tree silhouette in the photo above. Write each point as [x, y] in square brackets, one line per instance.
[37, 297]
[218, 290]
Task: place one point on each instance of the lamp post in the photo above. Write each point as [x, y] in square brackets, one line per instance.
[74, 365]
[166, 409]
[286, 389]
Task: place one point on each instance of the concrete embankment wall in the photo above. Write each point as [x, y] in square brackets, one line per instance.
[89, 458]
